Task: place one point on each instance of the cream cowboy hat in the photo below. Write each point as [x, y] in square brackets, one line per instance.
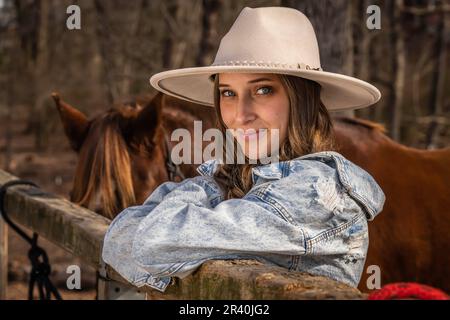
[268, 40]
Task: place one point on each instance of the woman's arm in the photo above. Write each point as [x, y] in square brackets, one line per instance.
[185, 226]
[119, 237]
[171, 234]
[178, 223]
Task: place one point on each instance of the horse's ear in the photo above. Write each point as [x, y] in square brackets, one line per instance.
[148, 121]
[75, 123]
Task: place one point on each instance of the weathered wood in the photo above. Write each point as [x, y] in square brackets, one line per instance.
[81, 232]
[114, 290]
[3, 258]
[74, 228]
[250, 279]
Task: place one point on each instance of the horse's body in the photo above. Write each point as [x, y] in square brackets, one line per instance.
[409, 240]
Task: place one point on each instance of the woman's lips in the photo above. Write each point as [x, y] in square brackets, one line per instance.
[251, 133]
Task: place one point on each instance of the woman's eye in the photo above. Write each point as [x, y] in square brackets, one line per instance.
[265, 90]
[223, 93]
[261, 90]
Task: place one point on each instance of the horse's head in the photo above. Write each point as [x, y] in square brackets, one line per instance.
[121, 154]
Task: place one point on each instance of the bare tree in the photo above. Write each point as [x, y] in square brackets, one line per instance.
[332, 22]
[8, 74]
[399, 68]
[437, 97]
[363, 45]
[28, 19]
[104, 41]
[210, 16]
[175, 14]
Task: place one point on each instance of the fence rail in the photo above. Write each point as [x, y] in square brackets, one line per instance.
[81, 232]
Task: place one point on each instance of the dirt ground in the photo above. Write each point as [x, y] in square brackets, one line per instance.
[52, 170]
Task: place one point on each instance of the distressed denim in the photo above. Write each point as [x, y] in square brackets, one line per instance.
[307, 214]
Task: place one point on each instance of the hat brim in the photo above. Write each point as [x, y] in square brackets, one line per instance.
[339, 92]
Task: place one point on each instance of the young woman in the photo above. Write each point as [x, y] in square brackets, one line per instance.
[306, 211]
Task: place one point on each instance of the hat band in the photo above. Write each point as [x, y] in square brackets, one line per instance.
[275, 64]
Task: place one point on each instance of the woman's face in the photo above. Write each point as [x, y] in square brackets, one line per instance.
[255, 105]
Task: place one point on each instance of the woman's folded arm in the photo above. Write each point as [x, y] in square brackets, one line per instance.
[181, 225]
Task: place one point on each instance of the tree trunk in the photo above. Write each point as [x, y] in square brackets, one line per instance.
[104, 41]
[28, 25]
[210, 16]
[41, 78]
[364, 60]
[399, 64]
[438, 87]
[332, 21]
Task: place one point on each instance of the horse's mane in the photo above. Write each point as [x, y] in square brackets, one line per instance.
[105, 160]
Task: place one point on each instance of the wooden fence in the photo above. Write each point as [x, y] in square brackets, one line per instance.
[81, 232]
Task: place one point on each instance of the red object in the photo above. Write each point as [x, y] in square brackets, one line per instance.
[408, 290]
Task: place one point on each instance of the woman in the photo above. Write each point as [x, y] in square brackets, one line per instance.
[307, 211]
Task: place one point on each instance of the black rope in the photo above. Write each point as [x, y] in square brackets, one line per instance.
[40, 265]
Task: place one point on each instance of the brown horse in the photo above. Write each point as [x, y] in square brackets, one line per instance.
[408, 240]
[124, 152]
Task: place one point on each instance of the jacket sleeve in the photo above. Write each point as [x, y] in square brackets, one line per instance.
[118, 241]
[175, 231]
[178, 228]
[185, 224]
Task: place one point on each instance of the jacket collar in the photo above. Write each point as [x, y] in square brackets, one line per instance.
[355, 180]
[272, 171]
[209, 167]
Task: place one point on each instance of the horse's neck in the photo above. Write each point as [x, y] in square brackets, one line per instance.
[176, 117]
[179, 116]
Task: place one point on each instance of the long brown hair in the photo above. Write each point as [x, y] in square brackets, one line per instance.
[310, 130]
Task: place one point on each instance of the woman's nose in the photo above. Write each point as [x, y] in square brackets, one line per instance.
[244, 111]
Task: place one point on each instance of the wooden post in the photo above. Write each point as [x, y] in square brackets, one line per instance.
[3, 258]
[109, 289]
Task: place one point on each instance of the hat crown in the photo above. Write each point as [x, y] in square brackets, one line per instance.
[270, 36]
[276, 40]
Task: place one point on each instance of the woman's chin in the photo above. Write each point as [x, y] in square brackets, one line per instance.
[261, 156]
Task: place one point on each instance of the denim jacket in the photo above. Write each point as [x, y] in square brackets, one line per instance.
[307, 214]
